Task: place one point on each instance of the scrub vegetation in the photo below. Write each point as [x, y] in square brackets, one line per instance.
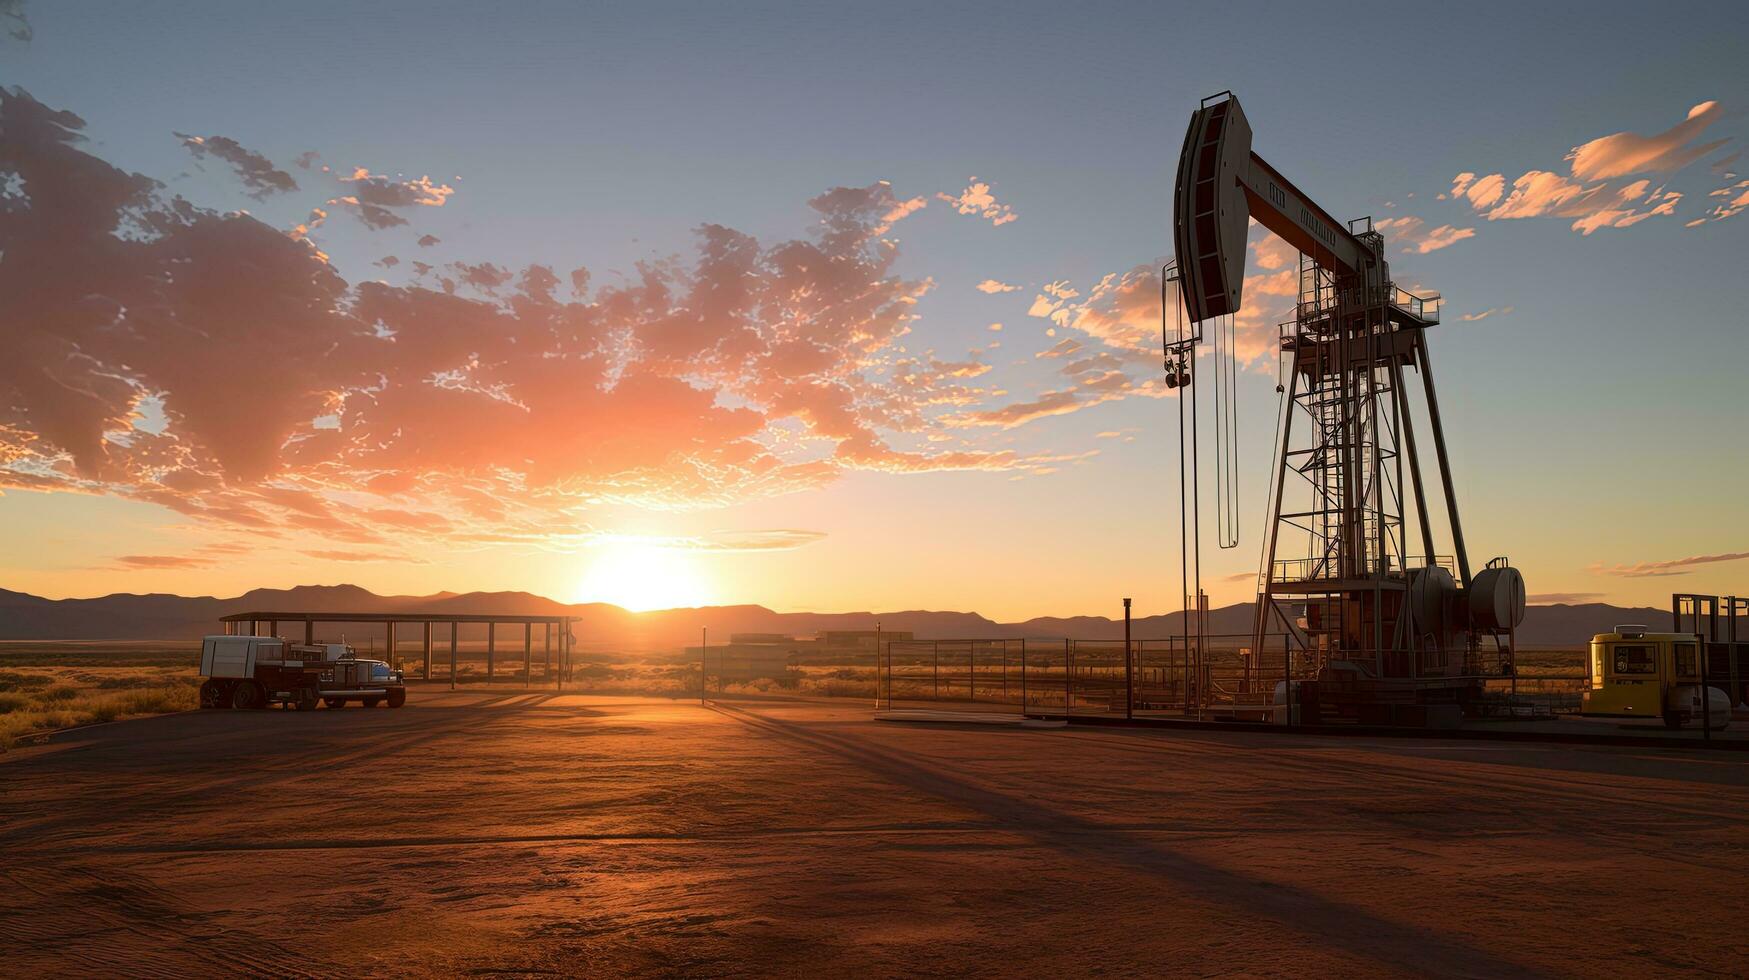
[36, 698]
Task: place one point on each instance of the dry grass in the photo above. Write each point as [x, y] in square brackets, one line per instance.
[41, 691]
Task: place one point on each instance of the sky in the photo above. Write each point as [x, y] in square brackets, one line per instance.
[828, 307]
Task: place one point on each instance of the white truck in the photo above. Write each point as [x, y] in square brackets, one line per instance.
[256, 671]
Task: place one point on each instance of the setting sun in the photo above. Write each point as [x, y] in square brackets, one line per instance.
[640, 575]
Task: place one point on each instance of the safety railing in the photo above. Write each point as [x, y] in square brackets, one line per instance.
[1324, 567]
[1421, 307]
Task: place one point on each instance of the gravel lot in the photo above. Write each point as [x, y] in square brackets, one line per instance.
[521, 833]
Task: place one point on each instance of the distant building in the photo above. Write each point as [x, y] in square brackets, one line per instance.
[760, 638]
[778, 655]
[839, 639]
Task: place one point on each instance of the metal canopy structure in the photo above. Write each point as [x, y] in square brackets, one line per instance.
[560, 625]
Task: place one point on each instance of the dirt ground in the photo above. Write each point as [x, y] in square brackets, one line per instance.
[491, 833]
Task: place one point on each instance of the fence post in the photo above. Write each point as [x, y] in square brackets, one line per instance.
[935, 671]
[1068, 679]
[1023, 675]
[1129, 670]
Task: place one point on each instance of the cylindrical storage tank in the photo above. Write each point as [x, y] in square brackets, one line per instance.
[1497, 598]
[1431, 591]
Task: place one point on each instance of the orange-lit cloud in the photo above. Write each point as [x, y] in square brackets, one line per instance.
[994, 286]
[1672, 566]
[163, 561]
[212, 364]
[1412, 234]
[1622, 154]
[1480, 192]
[364, 556]
[1590, 193]
[977, 199]
[1734, 200]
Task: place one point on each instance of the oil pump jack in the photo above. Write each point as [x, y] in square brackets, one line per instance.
[1379, 624]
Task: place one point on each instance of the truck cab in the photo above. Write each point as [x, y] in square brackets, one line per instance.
[370, 682]
[1635, 673]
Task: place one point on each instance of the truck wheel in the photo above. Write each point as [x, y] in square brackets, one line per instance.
[306, 700]
[372, 702]
[334, 703]
[244, 695]
[397, 697]
[1672, 719]
[211, 695]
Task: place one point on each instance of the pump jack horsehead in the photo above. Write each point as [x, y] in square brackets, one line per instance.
[1376, 621]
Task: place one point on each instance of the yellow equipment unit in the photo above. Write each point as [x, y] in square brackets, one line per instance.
[1638, 674]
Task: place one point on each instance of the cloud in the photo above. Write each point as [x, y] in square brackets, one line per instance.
[258, 174]
[899, 212]
[1539, 193]
[993, 286]
[1480, 192]
[285, 399]
[377, 199]
[484, 276]
[1622, 154]
[365, 556]
[1441, 237]
[163, 561]
[1485, 314]
[1672, 566]
[13, 21]
[426, 241]
[1734, 201]
[780, 539]
[1123, 311]
[1562, 598]
[1594, 192]
[1093, 385]
[976, 199]
[1409, 230]
[1050, 403]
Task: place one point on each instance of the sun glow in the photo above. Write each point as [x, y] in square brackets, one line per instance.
[641, 575]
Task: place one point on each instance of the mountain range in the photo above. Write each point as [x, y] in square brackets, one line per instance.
[125, 616]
